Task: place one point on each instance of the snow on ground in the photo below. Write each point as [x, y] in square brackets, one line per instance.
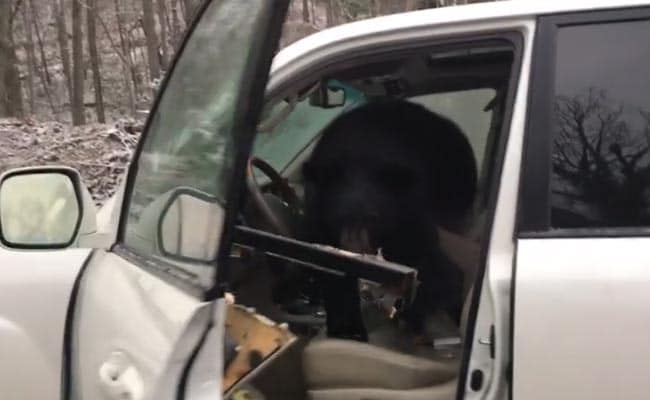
[100, 152]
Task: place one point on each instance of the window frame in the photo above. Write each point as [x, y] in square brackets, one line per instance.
[534, 208]
[263, 46]
[376, 51]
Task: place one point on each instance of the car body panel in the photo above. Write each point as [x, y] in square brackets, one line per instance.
[441, 19]
[34, 296]
[494, 306]
[581, 318]
[33, 340]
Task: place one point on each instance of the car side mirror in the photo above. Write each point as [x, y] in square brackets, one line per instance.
[44, 208]
[182, 224]
[189, 226]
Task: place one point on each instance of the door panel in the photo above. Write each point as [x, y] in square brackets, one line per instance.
[581, 312]
[128, 318]
[582, 319]
[145, 309]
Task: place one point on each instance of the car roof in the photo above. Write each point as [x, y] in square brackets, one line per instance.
[488, 11]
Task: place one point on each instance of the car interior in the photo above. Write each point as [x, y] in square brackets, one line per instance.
[275, 328]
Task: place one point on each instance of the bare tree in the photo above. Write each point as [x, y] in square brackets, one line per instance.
[412, 5]
[95, 61]
[127, 63]
[5, 12]
[190, 7]
[78, 114]
[138, 40]
[176, 23]
[31, 57]
[64, 51]
[600, 160]
[162, 21]
[149, 27]
[43, 72]
[383, 6]
[305, 11]
[39, 39]
[330, 13]
[11, 101]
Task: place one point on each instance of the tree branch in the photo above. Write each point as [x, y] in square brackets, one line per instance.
[116, 49]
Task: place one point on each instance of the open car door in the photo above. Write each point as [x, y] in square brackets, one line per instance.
[146, 318]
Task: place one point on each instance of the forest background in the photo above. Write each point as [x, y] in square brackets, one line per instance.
[77, 77]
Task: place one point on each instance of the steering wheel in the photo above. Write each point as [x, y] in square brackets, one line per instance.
[273, 212]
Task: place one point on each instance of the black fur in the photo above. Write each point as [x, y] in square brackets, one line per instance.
[397, 170]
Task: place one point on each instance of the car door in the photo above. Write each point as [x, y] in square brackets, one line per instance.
[582, 282]
[145, 318]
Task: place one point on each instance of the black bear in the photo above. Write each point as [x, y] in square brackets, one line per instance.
[383, 176]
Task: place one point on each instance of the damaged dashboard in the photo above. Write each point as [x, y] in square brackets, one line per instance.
[330, 260]
[255, 337]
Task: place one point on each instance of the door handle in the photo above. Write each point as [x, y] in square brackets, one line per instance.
[120, 378]
[489, 342]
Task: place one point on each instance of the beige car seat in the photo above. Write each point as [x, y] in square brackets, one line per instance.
[349, 370]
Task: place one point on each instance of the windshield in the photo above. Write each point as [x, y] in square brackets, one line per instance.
[299, 128]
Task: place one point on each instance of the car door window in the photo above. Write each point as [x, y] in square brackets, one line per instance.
[469, 110]
[187, 158]
[601, 126]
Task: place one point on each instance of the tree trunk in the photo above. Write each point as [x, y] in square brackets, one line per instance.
[176, 25]
[372, 8]
[149, 27]
[412, 5]
[31, 18]
[5, 12]
[62, 35]
[95, 61]
[305, 11]
[384, 7]
[162, 21]
[129, 70]
[14, 87]
[78, 114]
[329, 7]
[31, 57]
[337, 12]
[11, 101]
[190, 7]
[39, 38]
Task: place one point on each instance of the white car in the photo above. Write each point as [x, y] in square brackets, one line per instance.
[172, 297]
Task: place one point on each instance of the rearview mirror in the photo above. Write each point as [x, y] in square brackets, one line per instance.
[327, 97]
[40, 207]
